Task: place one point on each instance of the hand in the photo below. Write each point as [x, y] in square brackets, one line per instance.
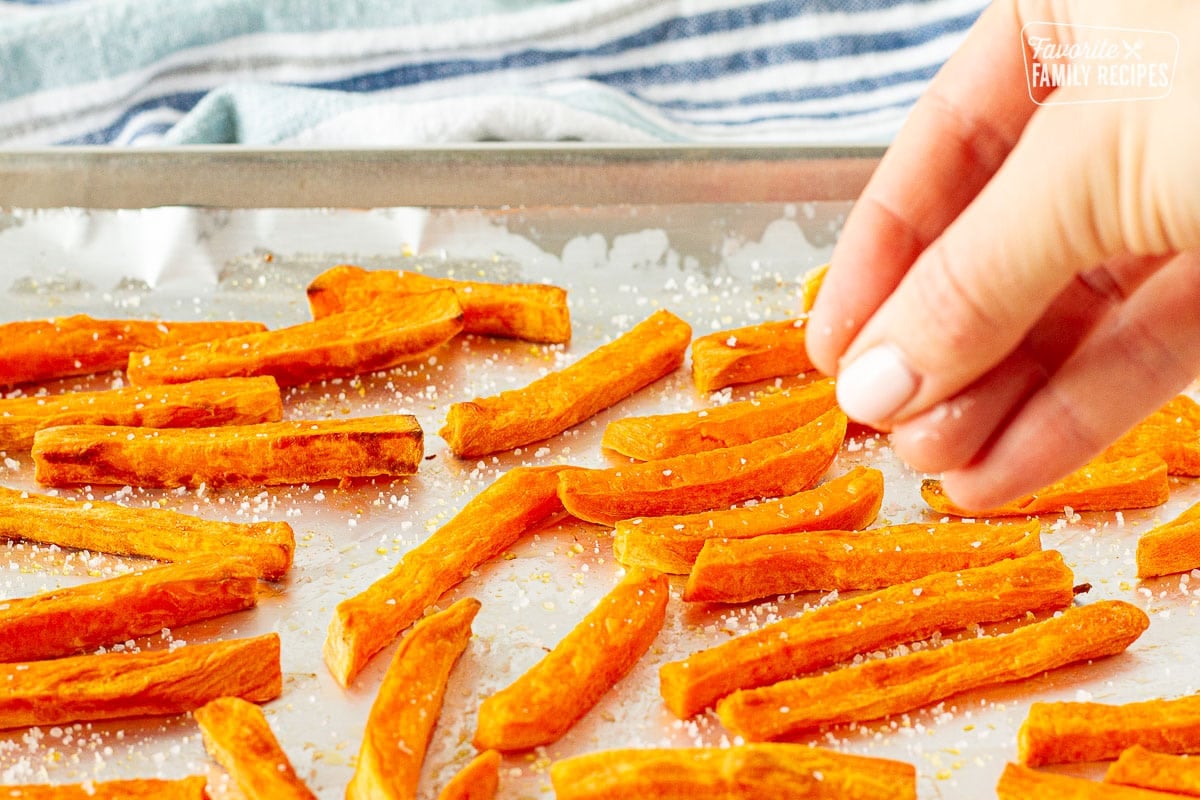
[1019, 284]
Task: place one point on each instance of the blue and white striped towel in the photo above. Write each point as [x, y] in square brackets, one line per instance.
[395, 72]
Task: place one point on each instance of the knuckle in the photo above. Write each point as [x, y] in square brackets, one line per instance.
[958, 316]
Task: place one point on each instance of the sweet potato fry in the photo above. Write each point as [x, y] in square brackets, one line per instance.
[80, 345]
[116, 685]
[669, 435]
[744, 355]
[499, 515]
[81, 618]
[1061, 733]
[534, 312]
[562, 399]
[478, 780]
[378, 337]
[105, 527]
[888, 686]
[201, 404]
[671, 544]
[192, 788]
[1171, 547]
[267, 454]
[237, 736]
[1146, 769]
[774, 467]
[1138, 482]
[1173, 432]
[555, 693]
[747, 772]
[810, 286]
[739, 570]
[1022, 783]
[837, 632]
[407, 707]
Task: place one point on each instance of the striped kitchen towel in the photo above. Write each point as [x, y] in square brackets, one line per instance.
[396, 72]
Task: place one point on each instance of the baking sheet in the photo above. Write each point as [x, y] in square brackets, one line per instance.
[718, 266]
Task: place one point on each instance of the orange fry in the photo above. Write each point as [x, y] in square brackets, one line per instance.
[104, 527]
[839, 631]
[543, 704]
[80, 345]
[744, 355]
[157, 683]
[476, 781]
[202, 404]
[810, 286]
[81, 618]
[739, 570]
[1146, 769]
[1061, 733]
[408, 704]
[378, 337]
[1171, 547]
[499, 515]
[1173, 432]
[267, 454]
[774, 467]
[237, 736]
[534, 312]
[1138, 482]
[671, 544]
[669, 435]
[192, 788]
[1022, 783]
[894, 685]
[746, 772]
[562, 399]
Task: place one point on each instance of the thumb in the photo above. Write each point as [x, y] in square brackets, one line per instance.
[1050, 212]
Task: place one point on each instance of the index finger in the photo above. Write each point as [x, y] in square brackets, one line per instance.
[958, 135]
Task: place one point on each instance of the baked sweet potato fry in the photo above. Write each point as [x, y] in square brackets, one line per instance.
[157, 683]
[1173, 432]
[496, 518]
[105, 527]
[671, 544]
[1062, 733]
[894, 685]
[1171, 547]
[562, 399]
[810, 286]
[478, 780]
[752, 353]
[669, 435]
[1021, 783]
[378, 337]
[747, 772]
[1137, 482]
[534, 312]
[81, 618]
[201, 404]
[837, 632]
[267, 454]
[716, 479]
[543, 704]
[192, 788]
[39, 350]
[1146, 769]
[237, 736]
[740, 570]
[408, 704]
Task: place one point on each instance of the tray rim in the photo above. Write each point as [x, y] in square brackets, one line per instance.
[485, 174]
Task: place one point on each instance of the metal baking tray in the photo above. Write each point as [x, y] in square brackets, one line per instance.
[206, 235]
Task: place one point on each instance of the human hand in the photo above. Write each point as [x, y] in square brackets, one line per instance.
[1019, 284]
